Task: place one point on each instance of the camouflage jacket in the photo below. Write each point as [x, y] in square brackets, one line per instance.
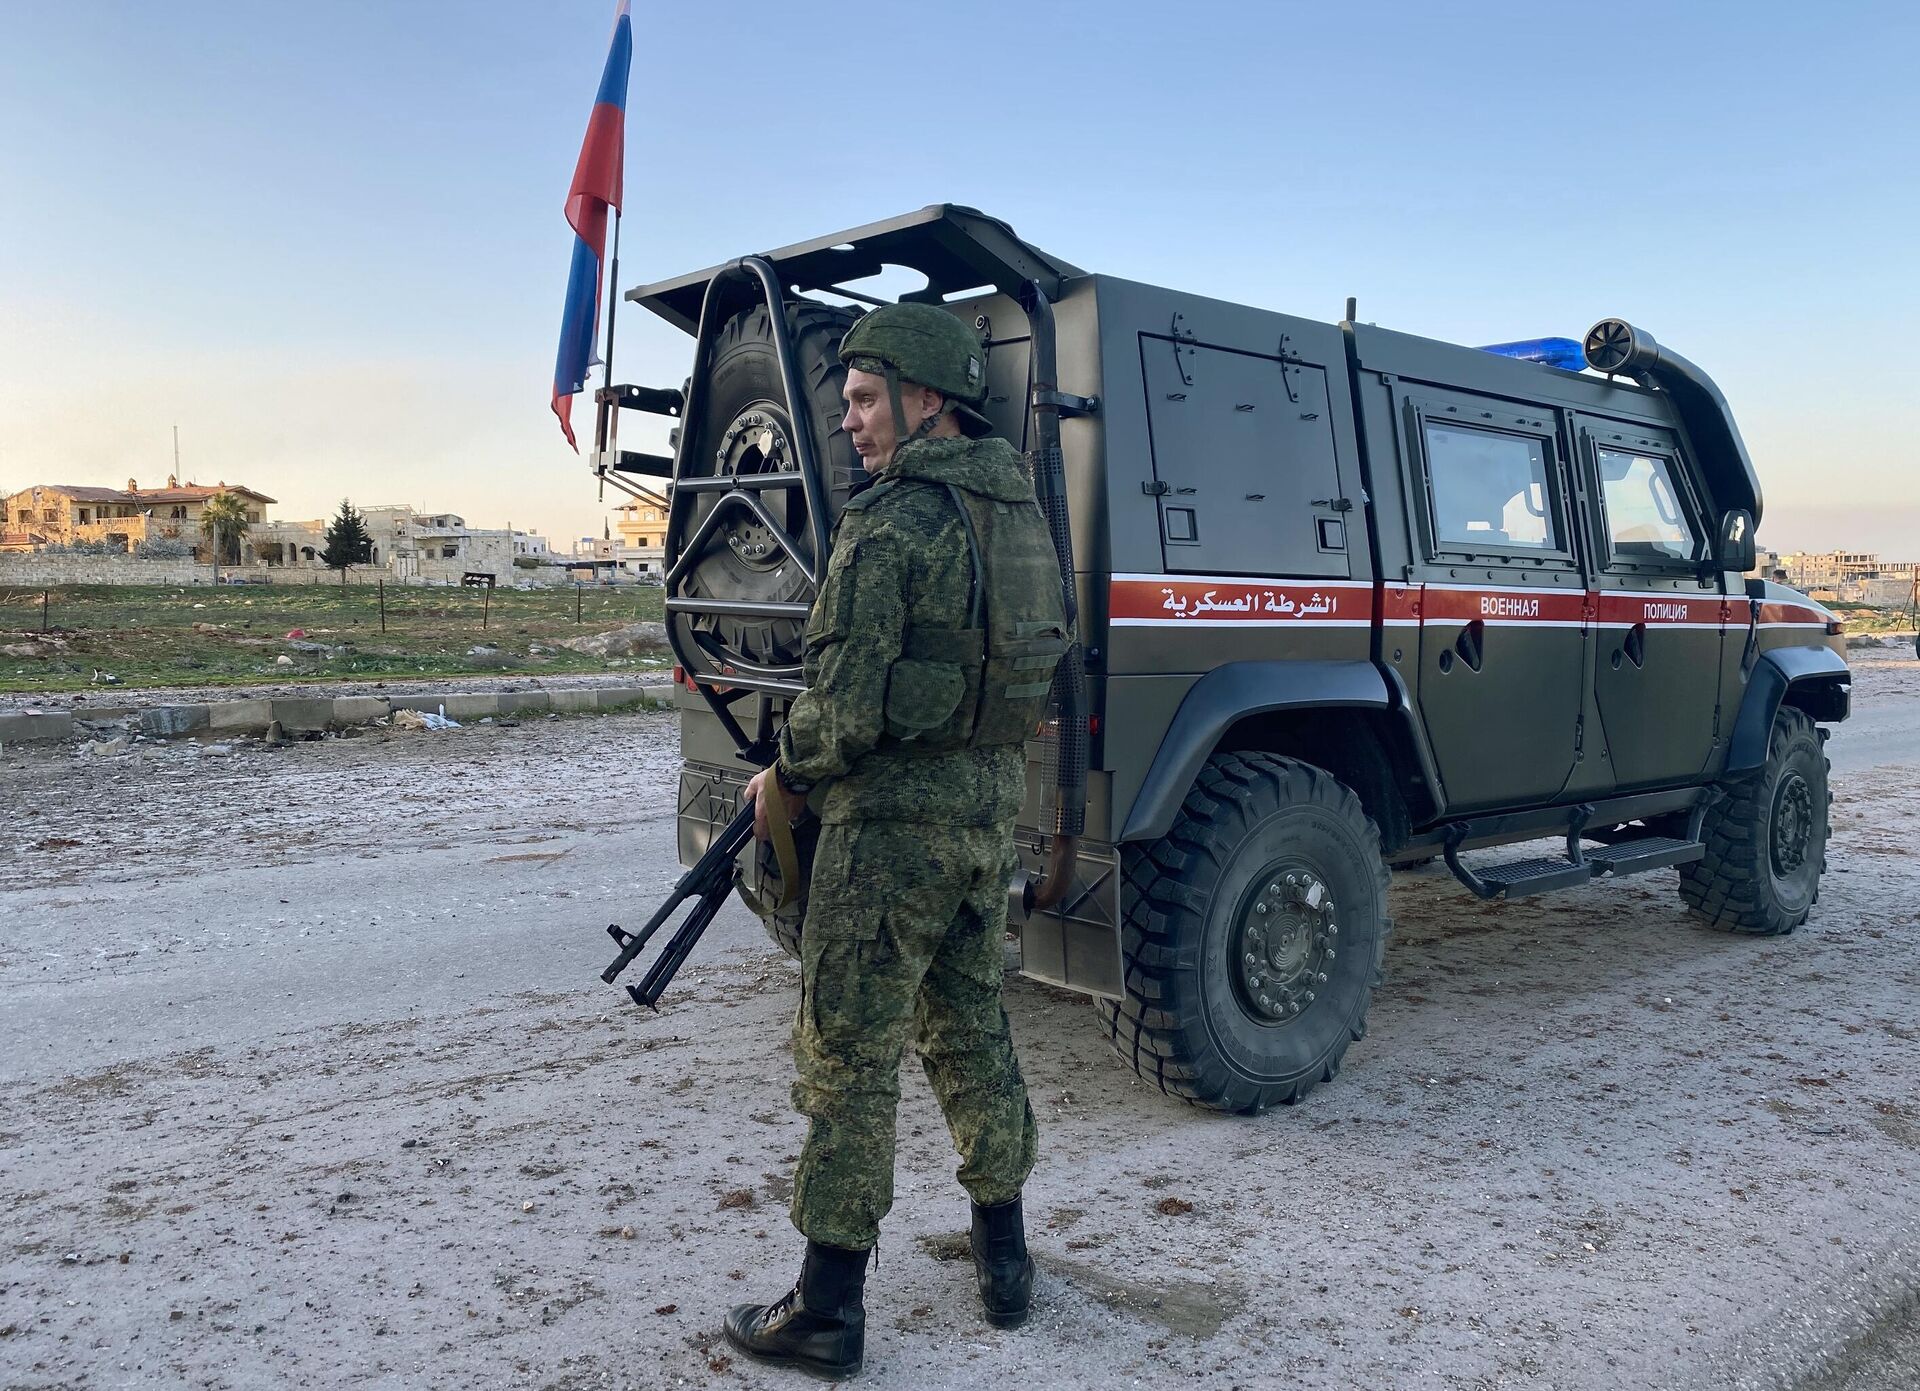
[900, 561]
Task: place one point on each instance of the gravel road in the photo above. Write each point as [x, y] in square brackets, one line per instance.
[307, 1079]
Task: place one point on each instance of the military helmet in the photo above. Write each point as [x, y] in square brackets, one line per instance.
[924, 344]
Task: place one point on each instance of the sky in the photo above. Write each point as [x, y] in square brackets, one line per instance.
[326, 240]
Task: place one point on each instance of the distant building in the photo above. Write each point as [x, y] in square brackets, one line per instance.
[1847, 577]
[65, 513]
[1828, 569]
[433, 546]
[643, 537]
[449, 554]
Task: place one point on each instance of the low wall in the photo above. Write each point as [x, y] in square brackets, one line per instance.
[44, 569]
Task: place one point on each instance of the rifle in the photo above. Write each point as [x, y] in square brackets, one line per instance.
[709, 882]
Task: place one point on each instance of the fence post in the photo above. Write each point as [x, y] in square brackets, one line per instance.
[46, 598]
[576, 601]
[383, 605]
[486, 602]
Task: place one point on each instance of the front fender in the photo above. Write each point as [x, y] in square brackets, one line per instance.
[1229, 693]
[1824, 691]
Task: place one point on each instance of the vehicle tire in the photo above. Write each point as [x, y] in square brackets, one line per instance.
[1269, 858]
[783, 926]
[1767, 841]
[744, 428]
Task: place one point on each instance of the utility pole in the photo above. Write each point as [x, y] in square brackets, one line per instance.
[176, 452]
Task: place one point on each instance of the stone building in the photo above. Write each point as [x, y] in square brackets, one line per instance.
[448, 554]
[643, 537]
[66, 513]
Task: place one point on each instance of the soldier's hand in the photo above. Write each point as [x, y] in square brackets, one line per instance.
[763, 786]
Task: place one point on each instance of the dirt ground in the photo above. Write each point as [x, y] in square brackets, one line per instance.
[307, 1079]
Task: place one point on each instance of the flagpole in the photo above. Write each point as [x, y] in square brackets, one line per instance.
[607, 423]
[613, 298]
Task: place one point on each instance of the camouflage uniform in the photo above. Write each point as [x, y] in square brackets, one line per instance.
[907, 903]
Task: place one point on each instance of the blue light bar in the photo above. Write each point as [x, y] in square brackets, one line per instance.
[1555, 352]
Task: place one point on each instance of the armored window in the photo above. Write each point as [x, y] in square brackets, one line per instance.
[1489, 489]
[1644, 517]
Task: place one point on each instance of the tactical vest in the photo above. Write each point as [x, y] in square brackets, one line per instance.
[985, 685]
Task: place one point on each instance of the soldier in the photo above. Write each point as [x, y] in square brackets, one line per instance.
[929, 654]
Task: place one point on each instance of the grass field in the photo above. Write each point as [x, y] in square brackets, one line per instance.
[201, 635]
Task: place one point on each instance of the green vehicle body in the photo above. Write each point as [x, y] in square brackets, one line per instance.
[1285, 539]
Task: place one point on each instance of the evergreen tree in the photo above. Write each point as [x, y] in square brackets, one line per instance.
[348, 541]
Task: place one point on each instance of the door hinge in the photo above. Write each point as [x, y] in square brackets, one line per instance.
[1066, 403]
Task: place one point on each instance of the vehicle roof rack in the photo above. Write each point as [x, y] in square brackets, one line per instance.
[956, 248]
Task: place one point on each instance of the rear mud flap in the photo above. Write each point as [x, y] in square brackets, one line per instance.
[1076, 945]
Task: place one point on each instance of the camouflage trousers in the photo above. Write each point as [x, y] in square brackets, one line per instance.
[902, 941]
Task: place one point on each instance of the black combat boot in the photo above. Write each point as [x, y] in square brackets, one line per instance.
[1001, 1263]
[820, 1326]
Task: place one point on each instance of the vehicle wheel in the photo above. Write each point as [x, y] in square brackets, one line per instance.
[1253, 936]
[1767, 841]
[745, 429]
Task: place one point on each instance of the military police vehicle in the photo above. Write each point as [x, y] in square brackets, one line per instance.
[1346, 599]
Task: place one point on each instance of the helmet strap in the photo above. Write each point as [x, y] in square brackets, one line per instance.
[927, 425]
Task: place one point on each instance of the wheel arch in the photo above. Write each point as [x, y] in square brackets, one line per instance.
[1337, 715]
[1812, 679]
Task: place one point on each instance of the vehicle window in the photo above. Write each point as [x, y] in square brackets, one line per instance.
[1644, 516]
[1489, 489]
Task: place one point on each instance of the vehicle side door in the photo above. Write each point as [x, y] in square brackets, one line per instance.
[1500, 598]
[1244, 463]
[1657, 668]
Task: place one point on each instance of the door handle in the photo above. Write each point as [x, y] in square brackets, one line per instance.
[1471, 644]
[1636, 645]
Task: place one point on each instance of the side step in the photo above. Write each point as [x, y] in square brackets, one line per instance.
[1580, 865]
[1637, 856]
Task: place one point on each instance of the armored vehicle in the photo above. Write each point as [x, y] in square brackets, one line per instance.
[1347, 599]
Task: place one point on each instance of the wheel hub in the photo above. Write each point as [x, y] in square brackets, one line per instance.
[1792, 823]
[1287, 941]
[757, 442]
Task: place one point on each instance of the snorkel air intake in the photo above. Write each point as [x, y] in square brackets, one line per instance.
[1617, 348]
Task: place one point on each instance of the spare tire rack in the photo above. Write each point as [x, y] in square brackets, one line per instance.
[705, 673]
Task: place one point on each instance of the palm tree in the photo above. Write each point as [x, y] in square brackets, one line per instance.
[223, 523]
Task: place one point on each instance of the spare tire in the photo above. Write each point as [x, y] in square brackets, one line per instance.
[745, 428]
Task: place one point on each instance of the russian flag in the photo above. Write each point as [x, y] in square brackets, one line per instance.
[596, 187]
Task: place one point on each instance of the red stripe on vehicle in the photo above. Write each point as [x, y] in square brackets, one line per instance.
[1467, 605]
[1657, 610]
[1796, 614]
[1171, 601]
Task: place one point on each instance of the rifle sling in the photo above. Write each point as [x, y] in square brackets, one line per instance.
[780, 831]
